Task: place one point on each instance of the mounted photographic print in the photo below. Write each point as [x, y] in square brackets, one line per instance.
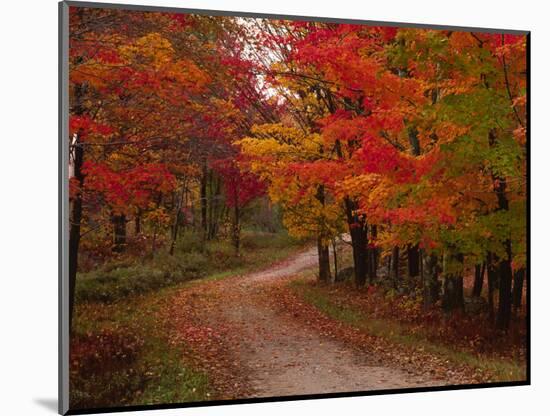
[263, 208]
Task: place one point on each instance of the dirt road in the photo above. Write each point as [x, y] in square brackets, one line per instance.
[252, 347]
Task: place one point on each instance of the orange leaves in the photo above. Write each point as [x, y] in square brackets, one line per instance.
[520, 135]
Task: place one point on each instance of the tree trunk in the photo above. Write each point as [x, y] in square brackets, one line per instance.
[517, 293]
[357, 230]
[236, 226]
[389, 269]
[75, 217]
[430, 279]
[203, 198]
[358, 241]
[177, 218]
[137, 222]
[453, 292]
[395, 266]
[324, 261]
[119, 232]
[358, 233]
[373, 255]
[74, 227]
[453, 285]
[504, 312]
[322, 249]
[214, 206]
[478, 280]
[492, 276]
[335, 255]
[413, 260]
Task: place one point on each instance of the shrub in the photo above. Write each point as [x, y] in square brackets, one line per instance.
[102, 371]
[107, 286]
[118, 280]
[182, 266]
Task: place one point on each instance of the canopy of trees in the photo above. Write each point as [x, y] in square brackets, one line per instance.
[408, 140]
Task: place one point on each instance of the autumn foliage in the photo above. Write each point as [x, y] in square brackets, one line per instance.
[396, 140]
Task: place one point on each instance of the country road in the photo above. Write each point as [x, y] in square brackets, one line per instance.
[252, 348]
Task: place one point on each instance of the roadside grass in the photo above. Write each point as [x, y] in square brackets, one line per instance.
[120, 350]
[397, 333]
[120, 355]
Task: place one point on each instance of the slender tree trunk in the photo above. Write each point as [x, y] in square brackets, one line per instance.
[373, 255]
[430, 279]
[210, 206]
[74, 227]
[453, 285]
[216, 209]
[413, 260]
[204, 199]
[236, 224]
[119, 232]
[389, 267]
[478, 280]
[492, 276]
[214, 205]
[75, 217]
[322, 248]
[395, 266]
[517, 293]
[335, 255]
[177, 218]
[324, 261]
[137, 222]
[504, 312]
[414, 142]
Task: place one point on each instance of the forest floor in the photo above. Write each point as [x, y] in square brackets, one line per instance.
[265, 327]
[255, 337]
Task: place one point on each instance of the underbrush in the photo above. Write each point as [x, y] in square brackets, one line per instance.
[120, 356]
[459, 338]
[131, 275]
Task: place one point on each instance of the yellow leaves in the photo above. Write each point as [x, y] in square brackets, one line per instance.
[151, 49]
[354, 186]
[159, 216]
[188, 74]
[281, 142]
[268, 147]
[275, 150]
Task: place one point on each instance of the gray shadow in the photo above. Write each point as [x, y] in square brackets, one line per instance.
[49, 404]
